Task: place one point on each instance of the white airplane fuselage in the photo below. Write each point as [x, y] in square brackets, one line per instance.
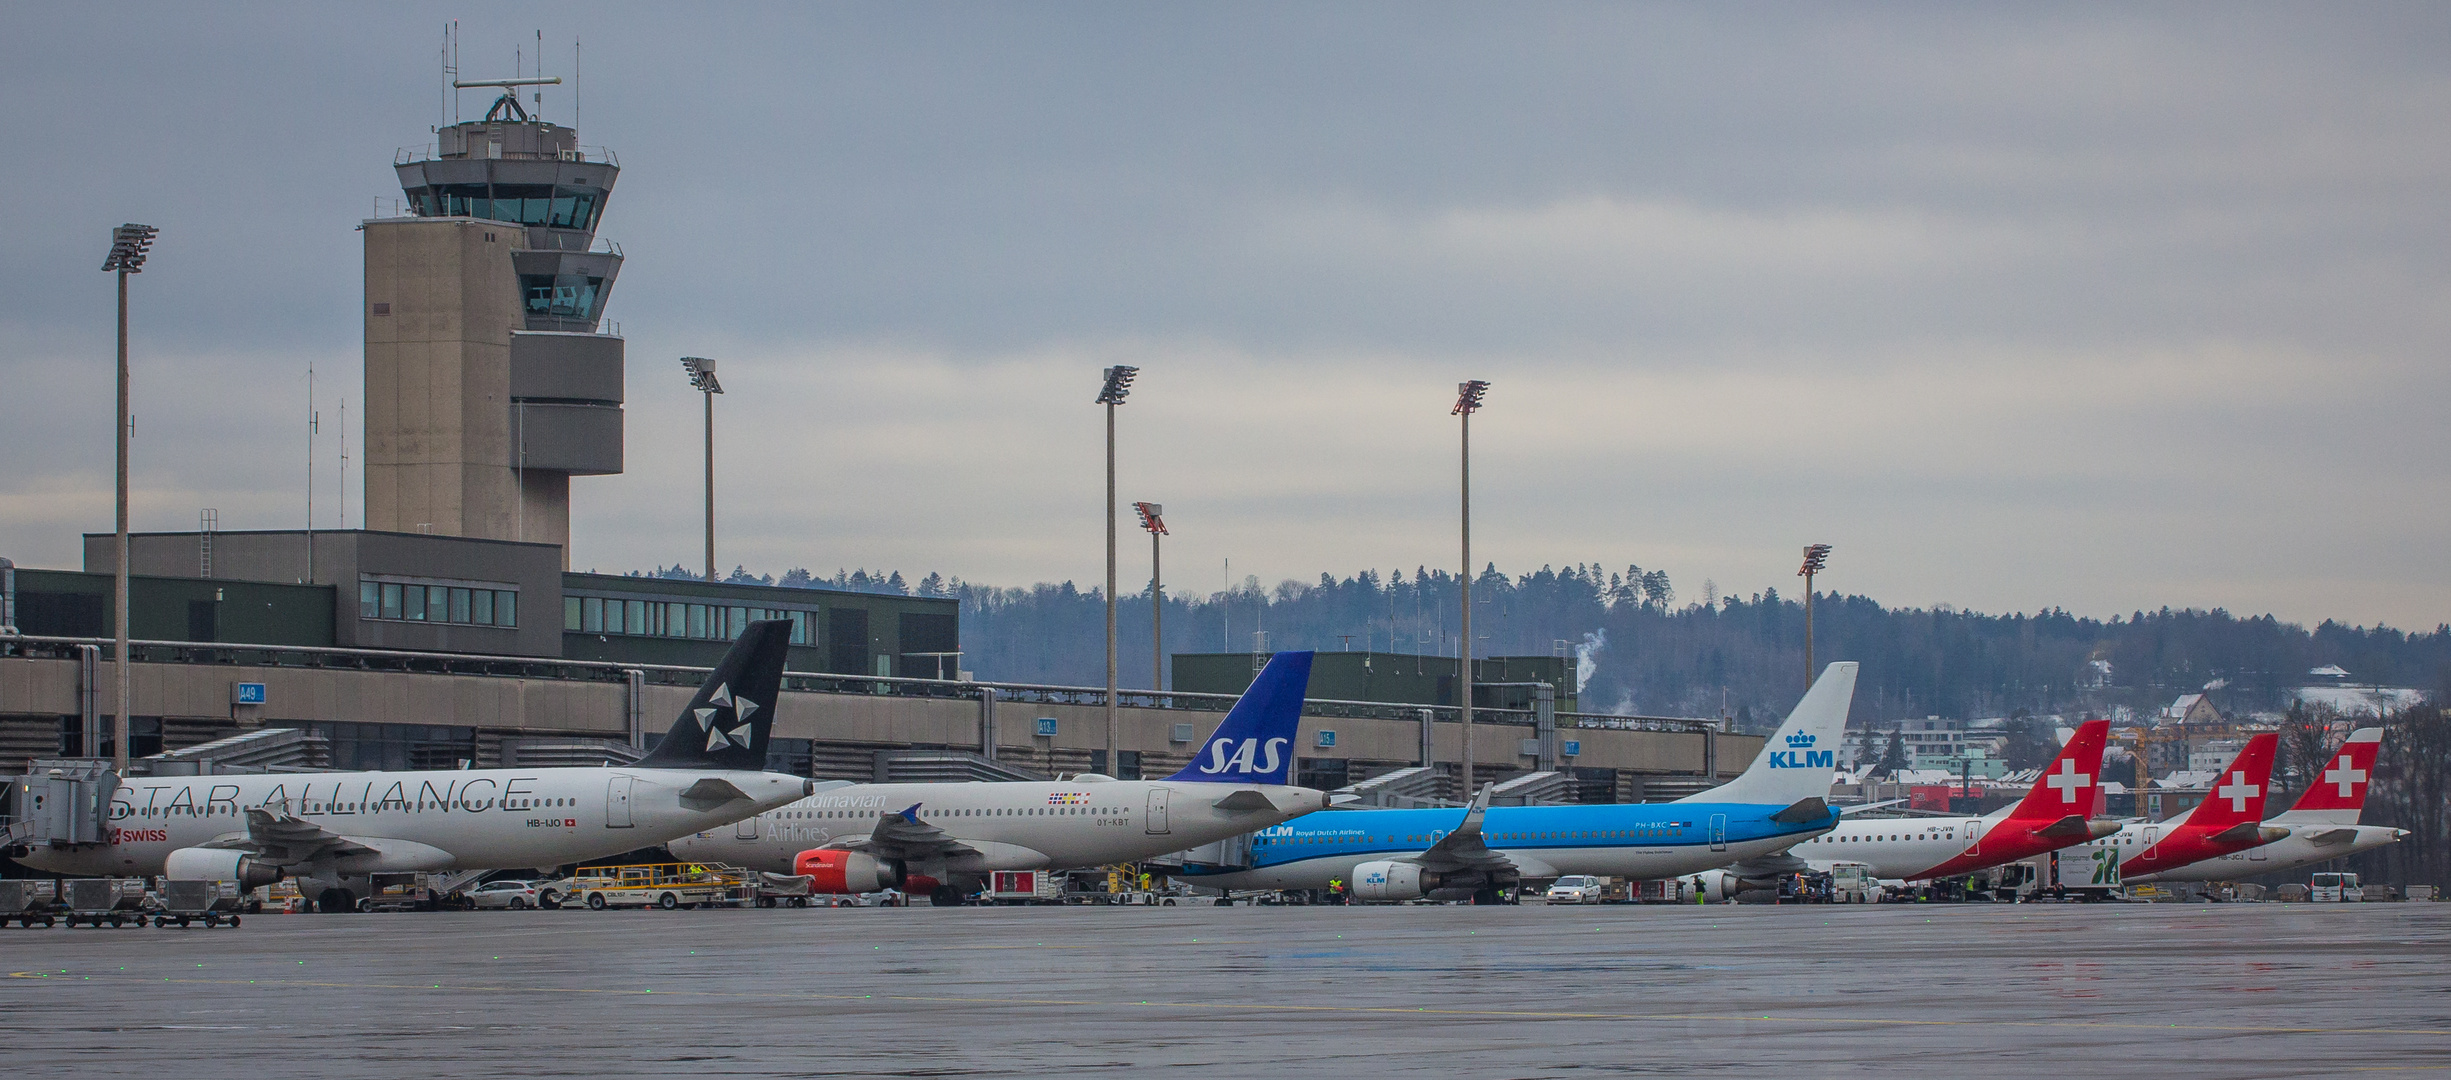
[460, 820]
[2306, 845]
[1013, 825]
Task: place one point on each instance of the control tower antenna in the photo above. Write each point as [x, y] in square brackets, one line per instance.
[507, 106]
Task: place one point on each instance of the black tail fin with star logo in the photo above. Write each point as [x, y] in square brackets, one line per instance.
[726, 725]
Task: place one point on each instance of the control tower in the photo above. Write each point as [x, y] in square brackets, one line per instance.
[490, 381]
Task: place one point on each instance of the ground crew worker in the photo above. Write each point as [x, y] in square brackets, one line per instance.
[1699, 895]
[1336, 889]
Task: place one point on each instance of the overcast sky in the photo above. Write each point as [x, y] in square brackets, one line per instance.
[2103, 308]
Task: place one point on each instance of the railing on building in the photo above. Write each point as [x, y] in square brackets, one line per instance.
[529, 667]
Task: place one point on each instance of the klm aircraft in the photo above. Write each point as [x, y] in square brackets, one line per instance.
[1748, 822]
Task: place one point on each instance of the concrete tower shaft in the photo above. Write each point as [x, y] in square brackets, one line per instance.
[490, 381]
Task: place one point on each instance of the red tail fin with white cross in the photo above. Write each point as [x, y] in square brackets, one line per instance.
[2073, 782]
[2338, 791]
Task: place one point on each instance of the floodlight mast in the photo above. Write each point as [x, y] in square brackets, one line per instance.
[702, 379]
[1467, 402]
[1153, 521]
[1816, 557]
[130, 243]
[1118, 386]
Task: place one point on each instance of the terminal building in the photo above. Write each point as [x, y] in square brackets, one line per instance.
[451, 631]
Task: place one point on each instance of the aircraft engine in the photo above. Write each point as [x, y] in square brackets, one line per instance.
[215, 864]
[1392, 880]
[846, 871]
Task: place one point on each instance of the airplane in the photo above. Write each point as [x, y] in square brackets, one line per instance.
[1393, 855]
[2322, 826]
[2230, 820]
[332, 831]
[2055, 813]
[944, 839]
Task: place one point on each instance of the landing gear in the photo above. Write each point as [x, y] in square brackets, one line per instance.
[946, 896]
[335, 901]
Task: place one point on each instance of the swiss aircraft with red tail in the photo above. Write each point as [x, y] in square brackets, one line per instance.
[2056, 812]
[2322, 826]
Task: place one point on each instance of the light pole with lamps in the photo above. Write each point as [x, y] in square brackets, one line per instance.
[1816, 556]
[1467, 402]
[702, 378]
[129, 245]
[1118, 386]
[1153, 520]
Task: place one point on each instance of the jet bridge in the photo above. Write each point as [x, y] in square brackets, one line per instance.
[60, 802]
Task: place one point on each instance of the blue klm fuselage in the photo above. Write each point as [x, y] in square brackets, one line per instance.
[1647, 841]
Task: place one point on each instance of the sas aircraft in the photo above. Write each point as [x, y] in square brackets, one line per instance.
[2055, 813]
[1780, 800]
[2322, 826]
[944, 839]
[332, 830]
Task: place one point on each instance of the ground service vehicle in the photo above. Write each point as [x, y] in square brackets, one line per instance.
[1573, 889]
[1025, 887]
[2335, 889]
[28, 900]
[660, 885]
[98, 900]
[208, 902]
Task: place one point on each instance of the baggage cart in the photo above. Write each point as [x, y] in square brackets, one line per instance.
[209, 902]
[1024, 887]
[28, 900]
[95, 901]
[784, 890]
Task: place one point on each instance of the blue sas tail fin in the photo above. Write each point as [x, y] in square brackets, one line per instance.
[1254, 744]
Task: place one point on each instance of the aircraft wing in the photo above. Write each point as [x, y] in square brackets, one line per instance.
[902, 835]
[1463, 849]
[284, 839]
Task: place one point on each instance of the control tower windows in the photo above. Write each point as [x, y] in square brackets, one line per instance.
[561, 297]
[545, 205]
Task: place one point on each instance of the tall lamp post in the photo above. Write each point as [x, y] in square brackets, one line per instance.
[129, 245]
[1467, 402]
[1118, 386]
[1153, 520]
[1816, 556]
[702, 379]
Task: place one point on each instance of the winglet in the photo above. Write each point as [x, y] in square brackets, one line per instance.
[911, 815]
[1254, 744]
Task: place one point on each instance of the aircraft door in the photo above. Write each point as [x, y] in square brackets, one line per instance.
[746, 828]
[1974, 837]
[2152, 833]
[1719, 832]
[1157, 812]
[617, 802]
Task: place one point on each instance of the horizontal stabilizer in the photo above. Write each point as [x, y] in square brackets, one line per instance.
[1244, 801]
[1801, 811]
[2250, 832]
[2073, 827]
[709, 793]
[2329, 837]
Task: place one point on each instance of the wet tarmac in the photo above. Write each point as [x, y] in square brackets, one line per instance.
[2225, 991]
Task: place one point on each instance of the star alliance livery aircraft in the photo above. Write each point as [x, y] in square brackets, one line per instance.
[332, 830]
[944, 839]
[1778, 802]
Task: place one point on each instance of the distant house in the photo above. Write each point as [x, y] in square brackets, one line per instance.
[2191, 709]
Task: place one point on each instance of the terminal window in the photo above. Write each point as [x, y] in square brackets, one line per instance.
[676, 619]
[411, 600]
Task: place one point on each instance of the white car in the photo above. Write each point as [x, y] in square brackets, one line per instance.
[515, 895]
[1573, 889]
